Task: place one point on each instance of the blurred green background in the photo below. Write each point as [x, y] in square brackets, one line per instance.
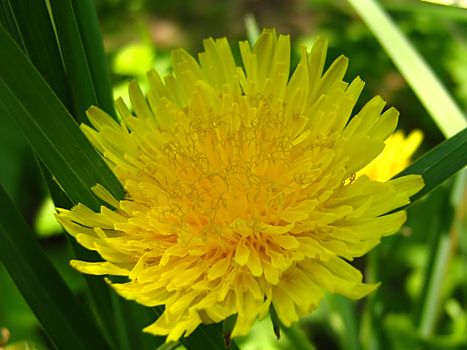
[138, 36]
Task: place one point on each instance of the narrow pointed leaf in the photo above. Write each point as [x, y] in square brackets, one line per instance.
[440, 163]
[82, 90]
[50, 129]
[37, 39]
[68, 325]
[91, 39]
[7, 18]
[100, 291]
[413, 67]
[40, 45]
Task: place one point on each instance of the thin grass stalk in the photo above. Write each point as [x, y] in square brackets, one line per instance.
[431, 93]
[438, 262]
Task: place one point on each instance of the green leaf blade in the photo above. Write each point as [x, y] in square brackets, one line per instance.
[7, 18]
[437, 101]
[82, 90]
[68, 325]
[39, 42]
[91, 37]
[440, 163]
[51, 131]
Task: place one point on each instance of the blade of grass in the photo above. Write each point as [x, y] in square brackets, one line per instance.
[67, 324]
[58, 160]
[251, 27]
[98, 288]
[91, 37]
[413, 67]
[8, 20]
[39, 42]
[62, 155]
[373, 334]
[50, 129]
[437, 266]
[58, 141]
[439, 260]
[129, 322]
[82, 89]
[440, 163]
[436, 10]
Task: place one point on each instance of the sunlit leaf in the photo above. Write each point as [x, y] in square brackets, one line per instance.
[413, 67]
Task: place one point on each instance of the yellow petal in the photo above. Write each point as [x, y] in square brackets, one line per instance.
[98, 268]
[219, 268]
[242, 253]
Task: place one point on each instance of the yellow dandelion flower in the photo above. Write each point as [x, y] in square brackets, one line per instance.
[395, 157]
[238, 192]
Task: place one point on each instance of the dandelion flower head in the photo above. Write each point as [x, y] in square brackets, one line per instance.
[241, 188]
[395, 157]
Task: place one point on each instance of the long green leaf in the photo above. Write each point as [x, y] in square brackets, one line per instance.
[438, 11]
[91, 38]
[82, 89]
[440, 163]
[441, 250]
[413, 67]
[39, 42]
[8, 20]
[67, 324]
[58, 141]
[52, 132]
[98, 288]
[251, 27]
[37, 38]
[133, 318]
[439, 261]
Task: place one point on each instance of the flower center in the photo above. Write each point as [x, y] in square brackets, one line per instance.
[240, 176]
